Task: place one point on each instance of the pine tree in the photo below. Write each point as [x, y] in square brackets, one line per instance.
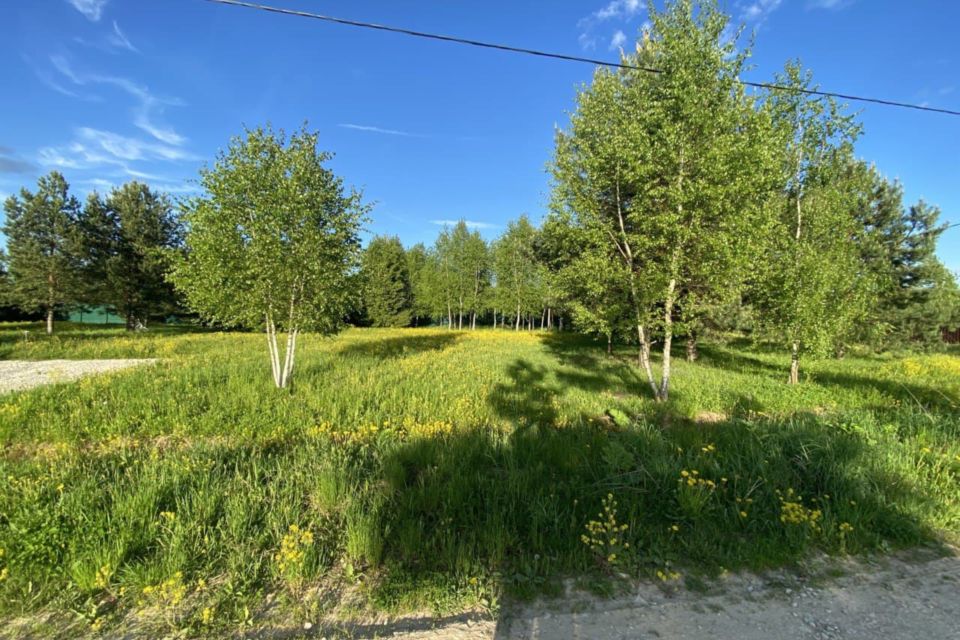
[128, 238]
[44, 248]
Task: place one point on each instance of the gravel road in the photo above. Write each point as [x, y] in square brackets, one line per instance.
[889, 599]
[16, 375]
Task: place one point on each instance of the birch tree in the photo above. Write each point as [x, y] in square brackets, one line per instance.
[669, 168]
[272, 242]
[815, 285]
[516, 269]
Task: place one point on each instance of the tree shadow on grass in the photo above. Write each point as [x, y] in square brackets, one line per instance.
[513, 506]
[596, 370]
[927, 398]
[400, 346]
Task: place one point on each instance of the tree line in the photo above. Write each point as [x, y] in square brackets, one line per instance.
[110, 251]
[680, 203]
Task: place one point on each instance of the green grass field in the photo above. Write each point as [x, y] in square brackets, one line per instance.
[434, 470]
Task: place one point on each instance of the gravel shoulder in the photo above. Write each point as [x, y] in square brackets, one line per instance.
[17, 375]
[896, 598]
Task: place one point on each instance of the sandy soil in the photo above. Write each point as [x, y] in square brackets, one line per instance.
[890, 599]
[16, 375]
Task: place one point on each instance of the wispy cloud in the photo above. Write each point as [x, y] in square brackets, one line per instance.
[146, 112]
[473, 224]
[613, 11]
[92, 9]
[95, 148]
[389, 132]
[120, 40]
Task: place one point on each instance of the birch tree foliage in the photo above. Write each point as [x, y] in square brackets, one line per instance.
[815, 284]
[517, 271]
[272, 241]
[670, 167]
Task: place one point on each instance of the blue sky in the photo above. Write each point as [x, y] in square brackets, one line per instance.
[110, 90]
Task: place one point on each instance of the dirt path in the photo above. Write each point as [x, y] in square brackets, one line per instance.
[891, 599]
[16, 375]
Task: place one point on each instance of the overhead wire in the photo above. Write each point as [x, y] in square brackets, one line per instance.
[569, 58]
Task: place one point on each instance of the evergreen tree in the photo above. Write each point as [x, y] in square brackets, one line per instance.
[128, 238]
[899, 247]
[44, 248]
[386, 283]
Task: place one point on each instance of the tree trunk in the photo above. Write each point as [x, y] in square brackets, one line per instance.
[50, 320]
[274, 352]
[518, 318]
[609, 344]
[667, 341]
[288, 359]
[795, 363]
[692, 352]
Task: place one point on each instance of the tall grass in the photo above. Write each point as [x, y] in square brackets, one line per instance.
[429, 469]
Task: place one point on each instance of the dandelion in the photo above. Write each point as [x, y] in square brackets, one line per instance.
[102, 580]
[605, 536]
[289, 558]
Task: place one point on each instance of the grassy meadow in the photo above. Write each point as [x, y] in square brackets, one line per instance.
[422, 469]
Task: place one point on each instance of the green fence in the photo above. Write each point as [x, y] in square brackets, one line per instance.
[94, 315]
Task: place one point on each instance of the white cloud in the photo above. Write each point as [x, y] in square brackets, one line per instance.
[145, 113]
[390, 132]
[470, 223]
[120, 40]
[613, 11]
[618, 40]
[95, 148]
[616, 9]
[759, 10]
[90, 8]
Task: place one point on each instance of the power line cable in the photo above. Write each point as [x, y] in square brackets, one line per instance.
[562, 56]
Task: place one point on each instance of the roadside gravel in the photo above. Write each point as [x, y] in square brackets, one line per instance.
[17, 375]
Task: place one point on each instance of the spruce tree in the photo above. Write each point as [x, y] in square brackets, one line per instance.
[386, 283]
